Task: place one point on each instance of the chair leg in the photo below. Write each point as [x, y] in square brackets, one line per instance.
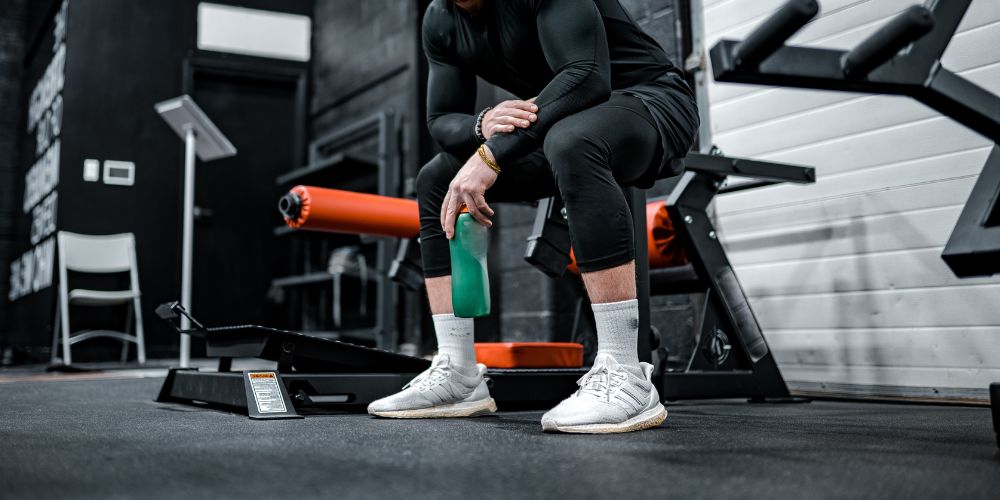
[140, 338]
[64, 320]
[55, 335]
[128, 328]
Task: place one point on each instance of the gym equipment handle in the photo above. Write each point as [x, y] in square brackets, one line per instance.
[771, 35]
[906, 28]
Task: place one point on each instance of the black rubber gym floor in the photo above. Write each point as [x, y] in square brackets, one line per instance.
[108, 439]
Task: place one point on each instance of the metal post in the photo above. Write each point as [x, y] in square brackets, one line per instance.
[188, 240]
[202, 138]
[636, 199]
[697, 64]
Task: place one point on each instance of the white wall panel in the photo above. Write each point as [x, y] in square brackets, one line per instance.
[955, 347]
[849, 206]
[888, 270]
[887, 380]
[922, 228]
[845, 275]
[884, 191]
[966, 305]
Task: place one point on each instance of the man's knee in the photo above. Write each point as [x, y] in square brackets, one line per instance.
[436, 173]
[570, 146]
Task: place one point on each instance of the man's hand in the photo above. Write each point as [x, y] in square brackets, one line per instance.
[508, 115]
[468, 188]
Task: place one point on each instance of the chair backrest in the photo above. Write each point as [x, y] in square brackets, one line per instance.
[113, 253]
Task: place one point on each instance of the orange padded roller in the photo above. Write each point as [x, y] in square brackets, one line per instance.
[661, 240]
[338, 211]
[530, 354]
[334, 210]
[665, 250]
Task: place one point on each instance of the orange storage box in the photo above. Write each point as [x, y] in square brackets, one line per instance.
[530, 354]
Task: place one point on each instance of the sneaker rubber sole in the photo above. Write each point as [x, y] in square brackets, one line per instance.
[464, 409]
[648, 419]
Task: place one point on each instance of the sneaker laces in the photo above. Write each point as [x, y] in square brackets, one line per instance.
[435, 375]
[601, 380]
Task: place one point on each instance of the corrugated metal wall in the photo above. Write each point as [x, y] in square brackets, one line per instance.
[846, 275]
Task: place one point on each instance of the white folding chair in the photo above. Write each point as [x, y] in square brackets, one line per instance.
[113, 253]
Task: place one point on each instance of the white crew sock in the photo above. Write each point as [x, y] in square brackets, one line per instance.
[454, 338]
[618, 332]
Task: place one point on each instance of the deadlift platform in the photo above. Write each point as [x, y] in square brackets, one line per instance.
[318, 374]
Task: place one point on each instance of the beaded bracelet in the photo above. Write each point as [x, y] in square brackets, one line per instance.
[479, 124]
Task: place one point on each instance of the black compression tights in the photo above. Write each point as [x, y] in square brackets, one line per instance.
[586, 158]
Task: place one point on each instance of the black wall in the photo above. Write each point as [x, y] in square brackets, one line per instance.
[367, 59]
[12, 41]
[122, 57]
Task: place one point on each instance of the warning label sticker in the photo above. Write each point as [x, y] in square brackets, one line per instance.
[266, 392]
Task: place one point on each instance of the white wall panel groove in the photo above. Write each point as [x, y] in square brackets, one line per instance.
[880, 201]
[965, 305]
[936, 168]
[887, 270]
[922, 228]
[956, 347]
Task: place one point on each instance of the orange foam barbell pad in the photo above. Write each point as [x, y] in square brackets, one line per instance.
[665, 250]
[339, 211]
[530, 354]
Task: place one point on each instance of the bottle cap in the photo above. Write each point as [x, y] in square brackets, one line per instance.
[463, 210]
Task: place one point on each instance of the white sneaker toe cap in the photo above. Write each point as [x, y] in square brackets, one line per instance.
[582, 411]
[401, 401]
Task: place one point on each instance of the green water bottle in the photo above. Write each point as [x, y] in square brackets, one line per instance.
[470, 283]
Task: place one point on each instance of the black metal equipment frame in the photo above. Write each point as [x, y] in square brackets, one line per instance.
[974, 246]
[903, 58]
[995, 403]
[732, 358]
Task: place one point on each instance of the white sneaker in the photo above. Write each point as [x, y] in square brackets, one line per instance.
[610, 399]
[440, 391]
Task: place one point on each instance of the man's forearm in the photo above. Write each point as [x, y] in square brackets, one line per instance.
[455, 132]
[578, 51]
[574, 89]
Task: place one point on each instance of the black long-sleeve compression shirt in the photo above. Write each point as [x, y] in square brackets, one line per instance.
[569, 53]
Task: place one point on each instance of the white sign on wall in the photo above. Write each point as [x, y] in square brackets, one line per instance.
[32, 271]
[266, 33]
